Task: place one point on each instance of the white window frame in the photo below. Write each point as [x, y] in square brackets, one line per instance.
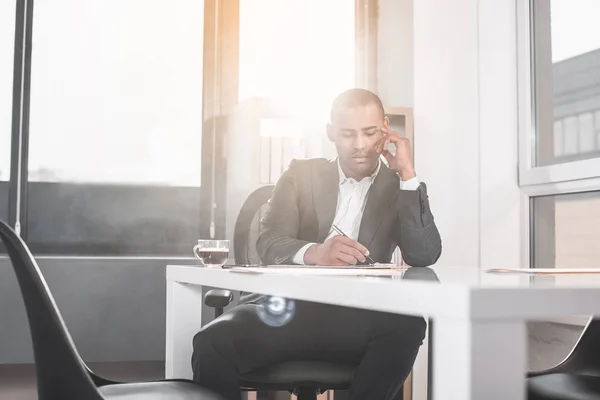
[528, 173]
[570, 177]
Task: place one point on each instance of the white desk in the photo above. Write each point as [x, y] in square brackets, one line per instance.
[479, 337]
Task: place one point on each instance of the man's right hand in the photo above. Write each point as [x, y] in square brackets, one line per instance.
[337, 250]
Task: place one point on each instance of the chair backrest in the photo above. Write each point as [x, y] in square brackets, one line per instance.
[248, 226]
[585, 355]
[61, 373]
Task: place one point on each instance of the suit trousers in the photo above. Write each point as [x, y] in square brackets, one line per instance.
[383, 346]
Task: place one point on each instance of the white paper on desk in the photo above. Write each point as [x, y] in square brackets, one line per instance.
[544, 271]
[331, 271]
[376, 266]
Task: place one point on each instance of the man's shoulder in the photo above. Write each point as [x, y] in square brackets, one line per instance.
[309, 164]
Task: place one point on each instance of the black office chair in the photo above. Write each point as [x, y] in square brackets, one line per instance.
[247, 230]
[61, 373]
[304, 378]
[577, 377]
[248, 226]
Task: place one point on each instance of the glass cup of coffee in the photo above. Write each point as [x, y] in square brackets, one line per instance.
[212, 253]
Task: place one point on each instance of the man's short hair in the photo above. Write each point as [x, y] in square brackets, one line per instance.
[355, 98]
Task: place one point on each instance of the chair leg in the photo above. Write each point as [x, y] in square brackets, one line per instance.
[262, 395]
[306, 394]
[270, 395]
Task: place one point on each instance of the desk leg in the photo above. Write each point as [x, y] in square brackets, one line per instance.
[184, 320]
[476, 360]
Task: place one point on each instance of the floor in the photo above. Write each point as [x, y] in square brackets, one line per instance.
[17, 381]
[549, 343]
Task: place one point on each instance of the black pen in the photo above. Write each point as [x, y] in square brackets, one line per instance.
[339, 231]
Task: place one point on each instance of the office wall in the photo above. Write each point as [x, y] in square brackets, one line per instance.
[114, 308]
[465, 90]
[461, 80]
[395, 53]
[501, 201]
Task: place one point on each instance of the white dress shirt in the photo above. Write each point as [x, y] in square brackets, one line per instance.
[352, 199]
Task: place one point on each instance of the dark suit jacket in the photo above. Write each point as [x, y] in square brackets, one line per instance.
[303, 207]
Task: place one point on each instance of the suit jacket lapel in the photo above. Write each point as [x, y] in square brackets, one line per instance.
[325, 197]
[382, 192]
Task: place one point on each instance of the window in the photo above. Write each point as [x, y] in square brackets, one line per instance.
[299, 70]
[115, 127]
[7, 48]
[282, 60]
[566, 79]
[559, 131]
[566, 230]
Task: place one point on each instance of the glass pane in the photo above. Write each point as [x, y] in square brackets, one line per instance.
[558, 139]
[571, 135]
[597, 129]
[566, 77]
[116, 124]
[299, 68]
[7, 48]
[587, 142]
[281, 59]
[566, 231]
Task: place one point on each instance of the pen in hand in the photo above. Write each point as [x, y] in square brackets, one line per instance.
[339, 231]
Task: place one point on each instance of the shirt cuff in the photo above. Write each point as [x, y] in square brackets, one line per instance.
[299, 256]
[411, 184]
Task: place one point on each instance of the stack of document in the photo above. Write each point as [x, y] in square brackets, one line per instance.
[544, 271]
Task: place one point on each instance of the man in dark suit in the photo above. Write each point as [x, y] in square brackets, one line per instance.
[378, 208]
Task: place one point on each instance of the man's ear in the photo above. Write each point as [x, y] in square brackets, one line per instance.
[330, 133]
[386, 122]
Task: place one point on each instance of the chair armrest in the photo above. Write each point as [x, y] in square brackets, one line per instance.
[218, 298]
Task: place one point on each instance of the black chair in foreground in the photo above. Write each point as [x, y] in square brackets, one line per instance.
[61, 373]
[577, 377]
[304, 378]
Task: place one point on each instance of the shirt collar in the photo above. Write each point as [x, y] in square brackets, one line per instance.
[344, 178]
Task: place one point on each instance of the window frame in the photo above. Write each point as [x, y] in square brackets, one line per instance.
[565, 178]
[19, 149]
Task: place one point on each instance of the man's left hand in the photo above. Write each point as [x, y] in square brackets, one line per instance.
[401, 162]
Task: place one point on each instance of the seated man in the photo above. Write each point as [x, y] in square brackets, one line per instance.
[378, 208]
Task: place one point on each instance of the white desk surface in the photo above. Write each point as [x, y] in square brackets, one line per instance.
[460, 292]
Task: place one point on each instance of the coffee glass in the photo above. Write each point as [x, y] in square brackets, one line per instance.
[212, 253]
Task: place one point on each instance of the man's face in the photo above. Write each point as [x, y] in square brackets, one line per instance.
[356, 133]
